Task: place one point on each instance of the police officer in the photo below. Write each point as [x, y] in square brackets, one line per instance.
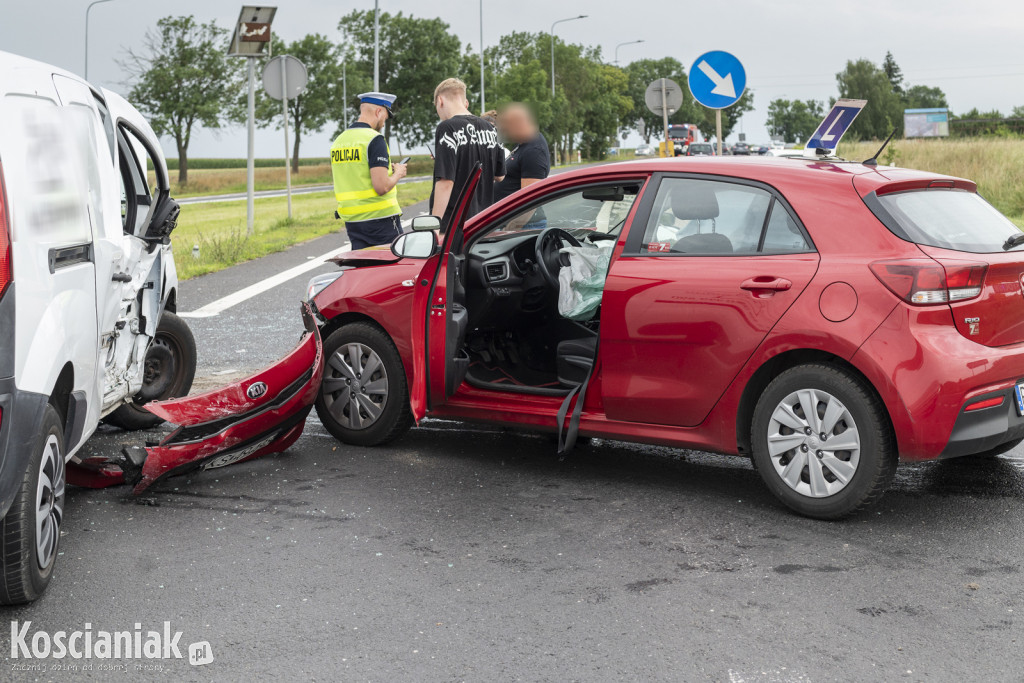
[365, 178]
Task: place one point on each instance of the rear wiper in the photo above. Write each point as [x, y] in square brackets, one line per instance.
[1013, 241]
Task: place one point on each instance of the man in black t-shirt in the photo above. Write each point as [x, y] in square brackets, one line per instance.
[462, 140]
[531, 159]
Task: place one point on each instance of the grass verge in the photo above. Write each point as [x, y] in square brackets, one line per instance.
[218, 228]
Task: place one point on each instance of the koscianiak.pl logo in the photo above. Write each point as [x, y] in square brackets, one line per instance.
[88, 644]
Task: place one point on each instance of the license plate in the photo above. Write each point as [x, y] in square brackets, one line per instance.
[1018, 392]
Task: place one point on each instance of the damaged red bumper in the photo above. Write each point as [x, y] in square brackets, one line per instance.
[261, 414]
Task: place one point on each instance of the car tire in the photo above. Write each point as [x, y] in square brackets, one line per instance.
[170, 369]
[363, 411]
[848, 416]
[26, 564]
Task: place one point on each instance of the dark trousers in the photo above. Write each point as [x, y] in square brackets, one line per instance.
[370, 233]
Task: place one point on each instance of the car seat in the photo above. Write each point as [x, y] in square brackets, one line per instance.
[696, 201]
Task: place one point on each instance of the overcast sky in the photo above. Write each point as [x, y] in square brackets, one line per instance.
[973, 50]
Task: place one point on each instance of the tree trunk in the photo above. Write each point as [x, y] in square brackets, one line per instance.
[295, 151]
[182, 164]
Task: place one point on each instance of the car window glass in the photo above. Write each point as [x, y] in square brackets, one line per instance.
[108, 126]
[602, 209]
[139, 189]
[706, 217]
[782, 234]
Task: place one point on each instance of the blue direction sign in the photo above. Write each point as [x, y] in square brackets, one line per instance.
[717, 79]
[835, 124]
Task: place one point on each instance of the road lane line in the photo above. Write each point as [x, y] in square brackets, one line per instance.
[220, 305]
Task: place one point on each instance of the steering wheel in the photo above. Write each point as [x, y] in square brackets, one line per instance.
[549, 241]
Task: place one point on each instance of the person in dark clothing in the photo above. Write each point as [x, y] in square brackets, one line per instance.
[530, 161]
[462, 140]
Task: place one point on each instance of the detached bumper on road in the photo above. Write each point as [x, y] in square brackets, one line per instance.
[262, 414]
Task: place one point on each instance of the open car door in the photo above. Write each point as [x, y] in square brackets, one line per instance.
[440, 317]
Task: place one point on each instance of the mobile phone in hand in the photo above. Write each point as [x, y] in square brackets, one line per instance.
[405, 160]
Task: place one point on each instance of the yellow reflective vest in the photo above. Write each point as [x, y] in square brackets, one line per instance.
[353, 189]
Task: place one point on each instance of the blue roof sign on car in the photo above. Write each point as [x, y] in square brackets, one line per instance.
[835, 124]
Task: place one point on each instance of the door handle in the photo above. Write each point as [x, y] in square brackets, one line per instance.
[764, 286]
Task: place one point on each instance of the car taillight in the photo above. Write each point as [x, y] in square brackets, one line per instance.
[927, 281]
[5, 239]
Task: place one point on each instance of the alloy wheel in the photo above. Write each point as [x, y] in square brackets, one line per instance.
[813, 443]
[49, 502]
[355, 388]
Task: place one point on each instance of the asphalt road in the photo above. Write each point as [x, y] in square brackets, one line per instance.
[463, 553]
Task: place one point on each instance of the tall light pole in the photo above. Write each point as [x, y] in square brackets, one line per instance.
[87, 9]
[628, 42]
[483, 101]
[582, 16]
[376, 46]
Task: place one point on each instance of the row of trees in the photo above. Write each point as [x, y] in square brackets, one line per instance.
[183, 80]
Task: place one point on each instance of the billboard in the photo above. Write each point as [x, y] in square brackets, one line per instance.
[926, 123]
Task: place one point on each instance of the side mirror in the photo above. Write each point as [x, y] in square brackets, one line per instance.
[421, 245]
[423, 223]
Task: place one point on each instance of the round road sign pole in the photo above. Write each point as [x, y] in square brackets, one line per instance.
[664, 119]
[284, 115]
[250, 164]
[718, 129]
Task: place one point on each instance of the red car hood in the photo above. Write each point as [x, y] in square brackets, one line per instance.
[371, 256]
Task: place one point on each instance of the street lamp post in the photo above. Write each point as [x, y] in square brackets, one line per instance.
[376, 46]
[483, 102]
[87, 9]
[582, 16]
[628, 42]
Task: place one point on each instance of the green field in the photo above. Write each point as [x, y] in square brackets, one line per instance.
[219, 229]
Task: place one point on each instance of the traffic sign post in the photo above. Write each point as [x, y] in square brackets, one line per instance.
[664, 96]
[717, 81]
[285, 78]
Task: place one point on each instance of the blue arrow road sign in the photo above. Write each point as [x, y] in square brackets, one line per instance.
[717, 79]
[835, 124]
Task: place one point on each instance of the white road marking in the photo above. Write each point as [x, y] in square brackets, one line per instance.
[220, 305]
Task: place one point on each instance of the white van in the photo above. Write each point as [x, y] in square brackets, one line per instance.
[87, 296]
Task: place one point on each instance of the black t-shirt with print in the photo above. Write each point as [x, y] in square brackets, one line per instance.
[459, 143]
[531, 159]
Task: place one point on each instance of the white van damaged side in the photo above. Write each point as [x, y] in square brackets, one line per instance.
[87, 295]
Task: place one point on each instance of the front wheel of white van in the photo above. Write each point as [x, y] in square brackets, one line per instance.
[169, 371]
[30, 531]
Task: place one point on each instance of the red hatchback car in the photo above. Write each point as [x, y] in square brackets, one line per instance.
[823, 318]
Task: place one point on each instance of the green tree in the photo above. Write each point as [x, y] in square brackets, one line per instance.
[862, 79]
[923, 97]
[415, 55]
[319, 103]
[183, 79]
[641, 74]
[1018, 112]
[730, 115]
[893, 72]
[794, 120]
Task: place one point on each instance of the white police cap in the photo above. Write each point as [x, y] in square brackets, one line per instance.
[381, 99]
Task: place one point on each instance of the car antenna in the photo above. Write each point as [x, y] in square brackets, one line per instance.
[873, 161]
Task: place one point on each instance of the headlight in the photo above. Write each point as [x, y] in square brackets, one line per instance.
[320, 283]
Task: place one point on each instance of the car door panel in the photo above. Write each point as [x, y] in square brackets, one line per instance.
[439, 303]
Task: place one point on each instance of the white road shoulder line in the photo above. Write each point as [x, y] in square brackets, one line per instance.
[220, 305]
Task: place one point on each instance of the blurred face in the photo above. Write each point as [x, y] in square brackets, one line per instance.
[516, 124]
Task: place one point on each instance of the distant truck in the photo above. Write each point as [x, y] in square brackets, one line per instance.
[681, 135]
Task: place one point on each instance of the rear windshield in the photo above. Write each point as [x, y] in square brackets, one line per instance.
[949, 219]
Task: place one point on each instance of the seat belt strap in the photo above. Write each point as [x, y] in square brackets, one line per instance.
[567, 436]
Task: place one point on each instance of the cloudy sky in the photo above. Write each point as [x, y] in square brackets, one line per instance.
[973, 50]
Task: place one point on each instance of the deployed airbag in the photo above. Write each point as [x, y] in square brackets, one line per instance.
[581, 282]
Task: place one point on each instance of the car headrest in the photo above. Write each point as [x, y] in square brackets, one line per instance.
[694, 200]
[704, 243]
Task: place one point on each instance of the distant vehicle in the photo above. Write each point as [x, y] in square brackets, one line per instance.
[760, 150]
[700, 149]
[778, 144]
[88, 290]
[741, 148]
[645, 151]
[726, 148]
[683, 134]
